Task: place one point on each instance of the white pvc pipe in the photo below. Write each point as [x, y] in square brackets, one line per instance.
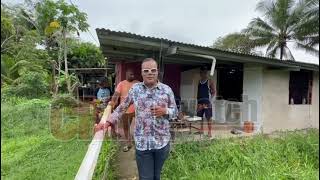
[90, 160]
[213, 65]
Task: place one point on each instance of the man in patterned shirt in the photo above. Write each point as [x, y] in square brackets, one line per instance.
[154, 105]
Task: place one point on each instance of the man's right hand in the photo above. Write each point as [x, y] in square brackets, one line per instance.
[101, 126]
[112, 104]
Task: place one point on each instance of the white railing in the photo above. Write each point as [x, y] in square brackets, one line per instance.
[89, 162]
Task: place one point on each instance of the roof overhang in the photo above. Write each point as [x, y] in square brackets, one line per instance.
[122, 46]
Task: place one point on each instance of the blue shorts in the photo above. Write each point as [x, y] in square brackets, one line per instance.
[205, 109]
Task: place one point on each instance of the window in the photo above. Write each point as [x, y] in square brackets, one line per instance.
[300, 87]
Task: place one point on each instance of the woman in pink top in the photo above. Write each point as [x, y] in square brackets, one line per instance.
[122, 92]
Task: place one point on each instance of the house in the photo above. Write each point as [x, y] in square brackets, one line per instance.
[274, 94]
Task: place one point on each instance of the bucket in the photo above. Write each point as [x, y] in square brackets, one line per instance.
[248, 127]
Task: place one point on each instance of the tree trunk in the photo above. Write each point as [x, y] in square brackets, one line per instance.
[68, 80]
[281, 52]
[54, 84]
[59, 67]
[59, 60]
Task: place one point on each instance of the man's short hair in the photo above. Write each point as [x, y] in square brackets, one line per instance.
[204, 68]
[149, 59]
[102, 80]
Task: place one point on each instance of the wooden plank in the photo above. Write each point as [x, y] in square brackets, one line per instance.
[90, 160]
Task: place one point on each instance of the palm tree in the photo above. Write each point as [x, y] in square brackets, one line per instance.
[308, 31]
[235, 42]
[284, 21]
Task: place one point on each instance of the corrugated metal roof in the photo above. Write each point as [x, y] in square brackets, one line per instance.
[156, 39]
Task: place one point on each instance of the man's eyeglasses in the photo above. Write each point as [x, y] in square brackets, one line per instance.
[153, 71]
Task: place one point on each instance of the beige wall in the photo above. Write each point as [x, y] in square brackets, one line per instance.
[315, 100]
[277, 114]
[252, 92]
[189, 86]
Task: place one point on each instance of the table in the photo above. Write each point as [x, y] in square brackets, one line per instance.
[186, 122]
[191, 120]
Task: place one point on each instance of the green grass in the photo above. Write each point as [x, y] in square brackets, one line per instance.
[37, 143]
[40, 143]
[293, 155]
[105, 166]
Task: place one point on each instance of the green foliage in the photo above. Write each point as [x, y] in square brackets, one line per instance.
[308, 32]
[284, 21]
[85, 55]
[11, 100]
[63, 20]
[292, 155]
[235, 42]
[45, 13]
[55, 16]
[7, 28]
[64, 100]
[19, 51]
[24, 31]
[30, 85]
[62, 82]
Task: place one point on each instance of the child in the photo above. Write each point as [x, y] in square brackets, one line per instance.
[103, 96]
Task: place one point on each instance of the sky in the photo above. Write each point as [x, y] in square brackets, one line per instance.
[198, 22]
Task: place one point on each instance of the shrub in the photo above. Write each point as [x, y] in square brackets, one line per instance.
[31, 85]
[64, 100]
[12, 100]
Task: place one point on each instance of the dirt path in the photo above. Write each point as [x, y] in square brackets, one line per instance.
[126, 167]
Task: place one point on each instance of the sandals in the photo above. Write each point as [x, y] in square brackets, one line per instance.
[116, 135]
[126, 148]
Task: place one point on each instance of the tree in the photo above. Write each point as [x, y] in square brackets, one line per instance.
[7, 29]
[235, 42]
[308, 33]
[61, 19]
[283, 22]
[84, 55]
[19, 41]
[31, 85]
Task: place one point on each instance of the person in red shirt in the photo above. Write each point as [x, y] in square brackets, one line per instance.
[122, 92]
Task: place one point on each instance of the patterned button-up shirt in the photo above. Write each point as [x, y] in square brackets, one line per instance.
[150, 132]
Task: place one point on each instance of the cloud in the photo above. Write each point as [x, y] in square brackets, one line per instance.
[192, 21]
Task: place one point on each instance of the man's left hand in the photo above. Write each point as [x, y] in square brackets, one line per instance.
[159, 111]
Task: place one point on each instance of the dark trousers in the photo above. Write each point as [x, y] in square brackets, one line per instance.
[150, 162]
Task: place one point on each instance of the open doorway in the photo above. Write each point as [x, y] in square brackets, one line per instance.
[230, 82]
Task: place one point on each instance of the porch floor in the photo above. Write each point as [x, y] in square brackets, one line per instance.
[218, 131]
